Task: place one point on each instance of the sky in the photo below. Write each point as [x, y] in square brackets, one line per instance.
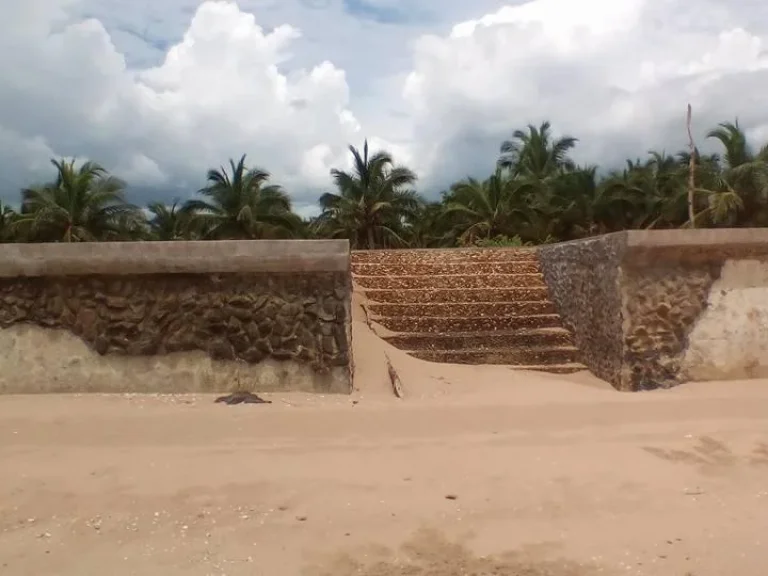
[158, 92]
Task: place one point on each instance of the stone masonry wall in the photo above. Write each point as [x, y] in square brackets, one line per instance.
[648, 308]
[269, 330]
[231, 317]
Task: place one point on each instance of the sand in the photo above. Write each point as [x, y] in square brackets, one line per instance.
[475, 471]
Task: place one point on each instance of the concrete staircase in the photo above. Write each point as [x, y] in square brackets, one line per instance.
[465, 306]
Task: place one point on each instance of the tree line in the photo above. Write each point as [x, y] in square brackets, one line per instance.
[536, 194]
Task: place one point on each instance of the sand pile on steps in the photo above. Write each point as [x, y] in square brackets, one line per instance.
[422, 379]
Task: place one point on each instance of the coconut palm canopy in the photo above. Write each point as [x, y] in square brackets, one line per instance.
[536, 194]
[81, 204]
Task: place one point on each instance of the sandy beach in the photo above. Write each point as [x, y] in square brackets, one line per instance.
[477, 470]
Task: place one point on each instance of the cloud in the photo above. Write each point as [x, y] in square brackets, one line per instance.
[617, 75]
[161, 91]
[222, 91]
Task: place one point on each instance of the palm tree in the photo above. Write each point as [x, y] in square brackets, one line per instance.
[538, 161]
[82, 204]
[662, 201]
[131, 226]
[628, 198]
[372, 202]
[240, 205]
[428, 227]
[652, 193]
[7, 219]
[578, 207]
[168, 222]
[535, 154]
[738, 191]
[486, 209]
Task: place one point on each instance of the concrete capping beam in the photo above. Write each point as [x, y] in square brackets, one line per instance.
[695, 247]
[178, 257]
[640, 247]
[700, 238]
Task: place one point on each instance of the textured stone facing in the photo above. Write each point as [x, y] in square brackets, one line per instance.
[583, 280]
[248, 318]
[661, 305]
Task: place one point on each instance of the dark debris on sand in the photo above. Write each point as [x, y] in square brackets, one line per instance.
[242, 398]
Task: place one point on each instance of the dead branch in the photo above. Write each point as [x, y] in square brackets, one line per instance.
[397, 386]
[691, 171]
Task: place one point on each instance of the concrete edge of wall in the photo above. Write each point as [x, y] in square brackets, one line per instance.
[713, 245]
[179, 257]
[699, 238]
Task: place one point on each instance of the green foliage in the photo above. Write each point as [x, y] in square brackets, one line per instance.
[537, 194]
[501, 242]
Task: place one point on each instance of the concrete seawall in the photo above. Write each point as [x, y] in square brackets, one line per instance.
[654, 308]
[175, 316]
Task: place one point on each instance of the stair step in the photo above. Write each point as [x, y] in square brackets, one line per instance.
[416, 269]
[427, 295]
[464, 309]
[568, 368]
[489, 340]
[451, 281]
[431, 255]
[432, 324]
[466, 306]
[534, 355]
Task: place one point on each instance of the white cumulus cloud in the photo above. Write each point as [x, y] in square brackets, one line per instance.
[220, 92]
[618, 75]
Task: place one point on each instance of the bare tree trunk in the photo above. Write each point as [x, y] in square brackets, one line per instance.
[371, 240]
[691, 170]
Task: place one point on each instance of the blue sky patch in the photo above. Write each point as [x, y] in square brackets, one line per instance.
[382, 15]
